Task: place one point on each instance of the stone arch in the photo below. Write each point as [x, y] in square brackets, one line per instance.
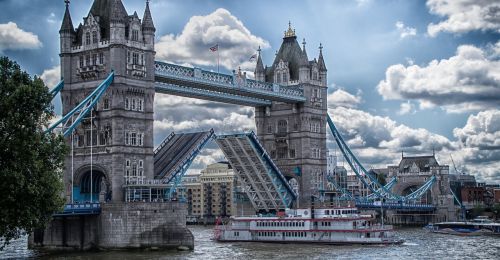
[425, 199]
[84, 184]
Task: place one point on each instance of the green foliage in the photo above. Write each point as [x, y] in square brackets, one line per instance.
[30, 161]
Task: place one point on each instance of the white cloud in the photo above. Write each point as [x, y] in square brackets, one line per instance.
[464, 15]
[405, 31]
[468, 81]
[343, 98]
[236, 42]
[377, 141]
[51, 76]
[481, 131]
[52, 18]
[14, 38]
[406, 108]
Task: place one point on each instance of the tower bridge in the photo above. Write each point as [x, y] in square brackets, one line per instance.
[110, 81]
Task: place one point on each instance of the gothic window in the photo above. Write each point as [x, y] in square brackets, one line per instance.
[269, 128]
[102, 138]
[134, 169]
[94, 59]
[126, 104]
[142, 59]
[135, 58]
[282, 152]
[106, 104]
[292, 153]
[135, 35]
[94, 37]
[278, 77]
[101, 58]
[87, 60]
[133, 139]
[282, 126]
[87, 38]
[128, 57]
[81, 140]
[127, 168]
[127, 140]
[139, 105]
[132, 107]
[285, 78]
[140, 139]
[81, 61]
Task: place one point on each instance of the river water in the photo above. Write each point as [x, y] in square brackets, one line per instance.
[419, 245]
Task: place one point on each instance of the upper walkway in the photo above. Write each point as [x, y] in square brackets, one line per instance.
[199, 83]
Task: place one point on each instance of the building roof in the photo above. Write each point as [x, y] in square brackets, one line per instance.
[108, 11]
[290, 52]
[423, 162]
[321, 61]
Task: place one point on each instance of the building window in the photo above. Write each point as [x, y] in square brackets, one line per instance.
[106, 104]
[102, 139]
[94, 59]
[140, 137]
[139, 105]
[278, 77]
[94, 37]
[127, 141]
[141, 164]
[282, 152]
[133, 104]
[135, 58]
[269, 128]
[282, 126]
[87, 38]
[126, 104]
[87, 60]
[101, 58]
[285, 79]
[135, 35]
[128, 57]
[81, 62]
[292, 153]
[133, 139]
[134, 169]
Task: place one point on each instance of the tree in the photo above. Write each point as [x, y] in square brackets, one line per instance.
[31, 161]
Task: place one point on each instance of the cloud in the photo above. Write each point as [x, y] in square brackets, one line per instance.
[51, 76]
[405, 31]
[406, 108]
[14, 38]
[481, 131]
[52, 18]
[343, 98]
[464, 16]
[362, 3]
[236, 42]
[468, 81]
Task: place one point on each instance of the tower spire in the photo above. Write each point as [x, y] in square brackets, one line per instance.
[321, 61]
[147, 20]
[259, 68]
[67, 23]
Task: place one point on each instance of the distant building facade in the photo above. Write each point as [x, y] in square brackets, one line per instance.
[210, 194]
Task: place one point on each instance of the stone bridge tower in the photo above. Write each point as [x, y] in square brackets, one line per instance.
[121, 132]
[295, 134]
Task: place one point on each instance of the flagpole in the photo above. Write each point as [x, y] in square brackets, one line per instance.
[217, 57]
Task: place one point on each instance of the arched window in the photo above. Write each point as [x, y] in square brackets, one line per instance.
[94, 37]
[282, 126]
[87, 38]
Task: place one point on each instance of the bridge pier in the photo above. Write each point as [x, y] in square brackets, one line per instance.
[136, 225]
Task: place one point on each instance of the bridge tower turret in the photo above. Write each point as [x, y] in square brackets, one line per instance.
[295, 134]
[120, 133]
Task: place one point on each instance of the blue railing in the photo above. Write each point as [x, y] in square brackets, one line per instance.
[396, 206]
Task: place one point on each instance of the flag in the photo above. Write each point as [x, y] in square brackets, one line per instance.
[253, 57]
[214, 48]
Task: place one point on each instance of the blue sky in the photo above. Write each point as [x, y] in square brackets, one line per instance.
[378, 55]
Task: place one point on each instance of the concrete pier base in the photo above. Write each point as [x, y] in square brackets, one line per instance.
[136, 225]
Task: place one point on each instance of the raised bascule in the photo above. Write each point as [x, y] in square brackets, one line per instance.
[121, 191]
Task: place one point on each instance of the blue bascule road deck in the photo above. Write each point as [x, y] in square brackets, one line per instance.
[264, 184]
[177, 152]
